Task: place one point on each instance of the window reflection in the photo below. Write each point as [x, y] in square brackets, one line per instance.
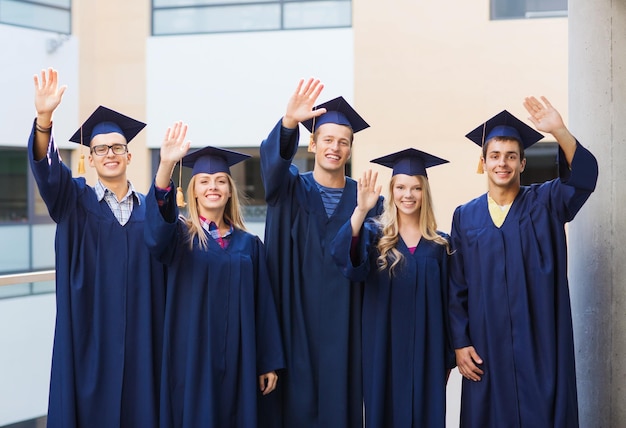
[212, 16]
[49, 15]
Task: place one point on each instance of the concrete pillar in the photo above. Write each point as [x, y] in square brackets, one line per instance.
[597, 237]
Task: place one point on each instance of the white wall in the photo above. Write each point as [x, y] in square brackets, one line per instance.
[25, 355]
[232, 88]
[22, 55]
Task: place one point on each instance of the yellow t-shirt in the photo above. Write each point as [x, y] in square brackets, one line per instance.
[498, 212]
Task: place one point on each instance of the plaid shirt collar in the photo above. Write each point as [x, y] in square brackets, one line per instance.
[213, 230]
[101, 191]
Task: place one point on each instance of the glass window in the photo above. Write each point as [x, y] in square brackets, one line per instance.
[181, 3]
[13, 175]
[219, 16]
[541, 163]
[317, 14]
[49, 15]
[16, 256]
[217, 19]
[517, 9]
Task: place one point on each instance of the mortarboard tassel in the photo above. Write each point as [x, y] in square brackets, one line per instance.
[180, 196]
[81, 161]
[81, 164]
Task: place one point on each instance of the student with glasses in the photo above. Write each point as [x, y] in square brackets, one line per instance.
[109, 290]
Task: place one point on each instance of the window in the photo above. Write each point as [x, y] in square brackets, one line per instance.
[519, 9]
[48, 15]
[223, 16]
[13, 175]
[541, 163]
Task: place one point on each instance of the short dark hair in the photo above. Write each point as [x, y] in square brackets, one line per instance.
[519, 144]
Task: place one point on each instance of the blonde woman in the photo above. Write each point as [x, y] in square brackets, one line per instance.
[222, 342]
[402, 259]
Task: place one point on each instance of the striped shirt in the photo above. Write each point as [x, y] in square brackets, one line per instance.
[123, 209]
[330, 197]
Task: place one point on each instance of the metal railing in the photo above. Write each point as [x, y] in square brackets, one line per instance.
[26, 284]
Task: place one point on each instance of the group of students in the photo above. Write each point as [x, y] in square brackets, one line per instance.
[351, 313]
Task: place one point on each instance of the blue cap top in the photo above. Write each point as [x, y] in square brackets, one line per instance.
[410, 162]
[103, 121]
[211, 160]
[337, 111]
[504, 124]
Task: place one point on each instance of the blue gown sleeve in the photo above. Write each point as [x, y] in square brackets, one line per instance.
[566, 195]
[579, 182]
[277, 153]
[356, 270]
[54, 180]
[161, 226]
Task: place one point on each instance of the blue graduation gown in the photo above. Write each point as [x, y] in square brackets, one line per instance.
[406, 352]
[221, 326]
[110, 296]
[320, 312]
[509, 298]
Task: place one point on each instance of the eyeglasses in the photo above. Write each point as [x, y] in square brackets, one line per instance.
[103, 149]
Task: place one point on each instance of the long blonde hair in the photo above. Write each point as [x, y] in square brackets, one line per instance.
[232, 213]
[390, 257]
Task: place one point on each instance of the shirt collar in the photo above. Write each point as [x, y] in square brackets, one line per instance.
[101, 191]
[213, 226]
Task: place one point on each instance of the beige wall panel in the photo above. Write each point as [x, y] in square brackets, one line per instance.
[113, 37]
[426, 73]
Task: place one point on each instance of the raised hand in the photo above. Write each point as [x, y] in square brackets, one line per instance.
[173, 149]
[301, 103]
[174, 146]
[547, 119]
[48, 94]
[543, 115]
[366, 198]
[367, 191]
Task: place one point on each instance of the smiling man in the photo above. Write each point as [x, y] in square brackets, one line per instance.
[319, 310]
[509, 306]
[110, 292]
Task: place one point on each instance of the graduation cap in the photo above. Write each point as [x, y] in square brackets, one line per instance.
[337, 111]
[211, 160]
[409, 161]
[103, 121]
[208, 160]
[504, 124]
